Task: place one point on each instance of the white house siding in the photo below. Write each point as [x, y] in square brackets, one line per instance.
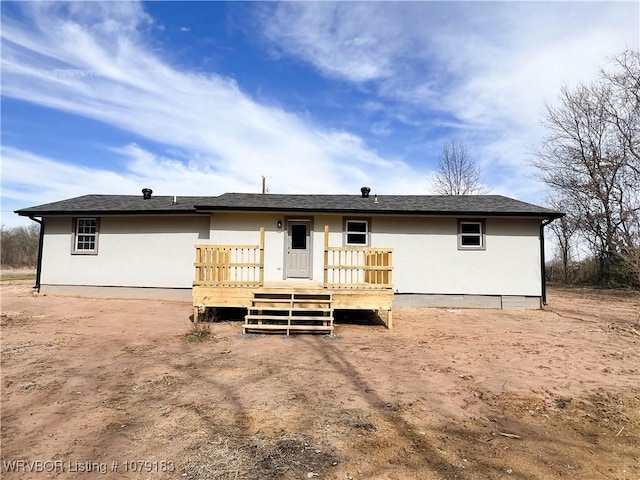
[158, 251]
[426, 258]
[136, 251]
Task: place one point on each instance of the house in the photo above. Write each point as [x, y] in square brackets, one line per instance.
[296, 255]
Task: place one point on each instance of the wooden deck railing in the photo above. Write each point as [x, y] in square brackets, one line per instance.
[356, 267]
[230, 265]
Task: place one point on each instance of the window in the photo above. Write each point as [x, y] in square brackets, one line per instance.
[85, 238]
[357, 232]
[471, 235]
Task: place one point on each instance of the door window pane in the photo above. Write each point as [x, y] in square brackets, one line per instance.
[299, 237]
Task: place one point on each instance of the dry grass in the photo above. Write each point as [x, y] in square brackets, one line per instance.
[257, 458]
[12, 276]
[198, 332]
[599, 293]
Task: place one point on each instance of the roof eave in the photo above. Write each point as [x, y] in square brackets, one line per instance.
[551, 215]
[97, 213]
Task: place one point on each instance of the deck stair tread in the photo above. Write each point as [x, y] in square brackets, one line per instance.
[292, 291]
[259, 301]
[303, 328]
[289, 318]
[290, 310]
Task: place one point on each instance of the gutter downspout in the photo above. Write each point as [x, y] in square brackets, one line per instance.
[36, 287]
[543, 272]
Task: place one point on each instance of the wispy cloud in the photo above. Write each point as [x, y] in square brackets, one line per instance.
[332, 37]
[166, 175]
[432, 53]
[97, 66]
[484, 69]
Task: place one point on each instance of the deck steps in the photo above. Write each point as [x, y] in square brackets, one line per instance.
[289, 311]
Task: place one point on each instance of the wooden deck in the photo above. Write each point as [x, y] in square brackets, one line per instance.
[355, 278]
[369, 299]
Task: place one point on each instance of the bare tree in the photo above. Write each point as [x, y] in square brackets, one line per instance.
[458, 173]
[623, 106]
[624, 111]
[587, 159]
[19, 246]
[564, 232]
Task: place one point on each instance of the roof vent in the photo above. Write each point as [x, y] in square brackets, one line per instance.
[365, 192]
[146, 193]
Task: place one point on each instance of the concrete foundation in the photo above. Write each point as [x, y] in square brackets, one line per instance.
[505, 302]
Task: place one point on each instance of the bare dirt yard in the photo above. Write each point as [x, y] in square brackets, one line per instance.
[96, 388]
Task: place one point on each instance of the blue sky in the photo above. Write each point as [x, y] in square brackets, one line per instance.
[203, 98]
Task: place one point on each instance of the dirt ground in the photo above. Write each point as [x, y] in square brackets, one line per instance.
[95, 388]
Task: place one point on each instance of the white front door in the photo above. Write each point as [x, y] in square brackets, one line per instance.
[298, 258]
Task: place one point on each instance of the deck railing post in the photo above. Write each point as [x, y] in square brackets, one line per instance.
[261, 273]
[326, 256]
[198, 260]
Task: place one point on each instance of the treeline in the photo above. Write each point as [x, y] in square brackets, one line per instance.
[19, 246]
[587, 272]
[590, 160]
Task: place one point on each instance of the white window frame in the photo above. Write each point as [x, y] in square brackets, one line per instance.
[366, 233]
[78, 232]
[481, 235]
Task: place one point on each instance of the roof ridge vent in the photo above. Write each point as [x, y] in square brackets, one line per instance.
[365, 192]
[146, 193]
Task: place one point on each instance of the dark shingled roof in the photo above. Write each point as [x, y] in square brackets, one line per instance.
[481, 205]
[115, 204]
[396, 204]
